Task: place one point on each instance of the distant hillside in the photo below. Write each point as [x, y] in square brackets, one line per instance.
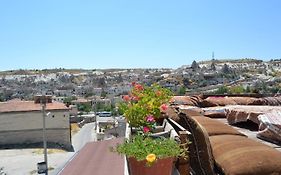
[243, 60]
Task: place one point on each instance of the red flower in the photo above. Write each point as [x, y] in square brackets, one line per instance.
[138, 87]
[163, 107]
[133, 83]
[126, 98]
[146, 129]
[136, 98]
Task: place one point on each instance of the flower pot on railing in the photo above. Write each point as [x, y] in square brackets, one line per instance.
[159, 167]
[142, 108]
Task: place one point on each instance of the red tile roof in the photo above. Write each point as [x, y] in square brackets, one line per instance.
[27, 106]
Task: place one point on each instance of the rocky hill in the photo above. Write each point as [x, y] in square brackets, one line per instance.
[251, 75]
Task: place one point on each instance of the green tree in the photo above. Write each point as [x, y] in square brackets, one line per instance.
[237, 90]
[182, 90]
[68, 100]
[84, 107]
[248, 89]
[102, 107]
[103, 94]
[222, 90]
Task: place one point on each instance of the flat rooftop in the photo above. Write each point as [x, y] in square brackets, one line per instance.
[96, 158]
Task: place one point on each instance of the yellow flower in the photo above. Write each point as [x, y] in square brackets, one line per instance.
[150, 158]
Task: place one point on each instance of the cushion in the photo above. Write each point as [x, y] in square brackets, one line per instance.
[171, 112]
[214, 112]
[217, 101]
[214, 127]
[270, 127]
[184, 100]
[257, 101]
[192, 111]
[239, 155]
[200, 152]
[243, 100]
[272, 101]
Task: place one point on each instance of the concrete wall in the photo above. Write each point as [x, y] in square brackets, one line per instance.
[26, 128]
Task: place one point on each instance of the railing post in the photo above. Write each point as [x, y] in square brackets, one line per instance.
[183, 162]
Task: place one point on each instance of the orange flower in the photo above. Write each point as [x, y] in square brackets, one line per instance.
[158, 93]
[150, 158]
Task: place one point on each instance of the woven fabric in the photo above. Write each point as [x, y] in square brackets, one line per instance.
[270, 126]
[240, 155]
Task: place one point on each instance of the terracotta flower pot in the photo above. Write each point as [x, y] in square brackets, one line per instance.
[160, 167]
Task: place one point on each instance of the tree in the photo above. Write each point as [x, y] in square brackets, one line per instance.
[182, 90]
[67, 100]
[248, 89]
[237, 90]
[103, 94]
[103, 107]
[84, 107]
[222, 90]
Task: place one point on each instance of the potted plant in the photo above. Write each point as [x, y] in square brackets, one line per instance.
[147, 155]
[143, 106]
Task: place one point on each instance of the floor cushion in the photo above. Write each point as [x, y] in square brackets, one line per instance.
[235, 155]
[214, 127]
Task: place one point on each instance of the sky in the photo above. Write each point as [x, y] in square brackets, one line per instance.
[92, 34]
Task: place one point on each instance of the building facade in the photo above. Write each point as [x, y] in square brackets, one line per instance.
[21, 124]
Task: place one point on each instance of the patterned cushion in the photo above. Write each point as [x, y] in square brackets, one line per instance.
[200, 152]
[214, 127]
[217, 101]
[239, 155]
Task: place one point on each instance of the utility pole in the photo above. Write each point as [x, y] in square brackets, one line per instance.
[43, 166]
[43, 101]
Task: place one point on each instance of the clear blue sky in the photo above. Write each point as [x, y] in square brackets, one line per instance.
[135, 33]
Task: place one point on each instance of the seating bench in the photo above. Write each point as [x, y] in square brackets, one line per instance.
[217, 148]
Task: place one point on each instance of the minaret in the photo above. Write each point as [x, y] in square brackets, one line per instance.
[213, 55]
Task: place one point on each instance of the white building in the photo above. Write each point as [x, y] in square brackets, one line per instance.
[22, 123]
